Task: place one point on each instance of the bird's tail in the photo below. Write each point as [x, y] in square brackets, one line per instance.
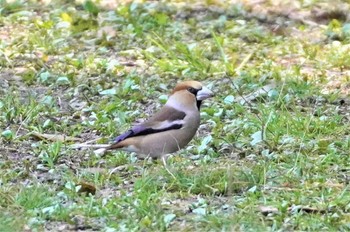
[101, 148]
[84, 145]
[114, 146]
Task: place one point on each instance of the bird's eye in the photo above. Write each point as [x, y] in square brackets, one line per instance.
[192, 90]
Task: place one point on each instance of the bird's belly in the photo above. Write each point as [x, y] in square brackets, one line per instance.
[166, 143]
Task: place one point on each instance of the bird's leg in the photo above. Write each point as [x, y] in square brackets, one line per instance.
[164, 159]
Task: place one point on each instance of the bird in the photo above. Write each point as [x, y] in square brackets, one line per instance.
[168, 130]
[171, 128]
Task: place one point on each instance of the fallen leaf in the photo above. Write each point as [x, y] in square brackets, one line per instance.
[86, 188]
[252, 96]
[267, 209]
[54, 137]
[95, 170]
[306, 209]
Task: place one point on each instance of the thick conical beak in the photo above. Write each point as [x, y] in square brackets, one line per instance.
[204, 93]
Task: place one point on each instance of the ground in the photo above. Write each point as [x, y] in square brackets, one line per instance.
[272, 152]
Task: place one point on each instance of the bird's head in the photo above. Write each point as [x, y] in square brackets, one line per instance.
[188, 93]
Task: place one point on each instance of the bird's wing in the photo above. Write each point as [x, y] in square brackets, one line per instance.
[166, 119]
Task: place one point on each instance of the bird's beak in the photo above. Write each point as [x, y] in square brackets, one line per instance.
[204, 93]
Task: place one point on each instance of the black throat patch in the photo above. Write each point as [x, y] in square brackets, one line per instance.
[199, 103]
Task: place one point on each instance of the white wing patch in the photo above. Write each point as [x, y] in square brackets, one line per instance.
[167, 124]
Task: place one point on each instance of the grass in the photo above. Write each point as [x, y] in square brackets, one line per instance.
[260, 162]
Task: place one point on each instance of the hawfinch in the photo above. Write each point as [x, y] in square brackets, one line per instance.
[171, 128]
[168, 130]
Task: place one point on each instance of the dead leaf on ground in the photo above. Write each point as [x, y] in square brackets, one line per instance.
[108, 193]
[86, 188]
[94, 170]
[306, 209]
[252, 96]
[54, 137]
[265, 210]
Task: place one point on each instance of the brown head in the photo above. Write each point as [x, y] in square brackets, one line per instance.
[187, 93]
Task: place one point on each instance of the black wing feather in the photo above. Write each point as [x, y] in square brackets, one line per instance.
[168, 114]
